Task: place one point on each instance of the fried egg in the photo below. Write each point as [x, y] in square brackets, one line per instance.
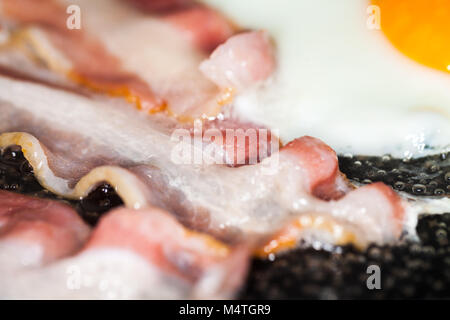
[367, 77]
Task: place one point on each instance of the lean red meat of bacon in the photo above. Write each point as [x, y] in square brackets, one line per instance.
[161, 6]
[205, 27]
[321, 163]
[131, 254]
[54, 230]
[242, 61]
[158, 238]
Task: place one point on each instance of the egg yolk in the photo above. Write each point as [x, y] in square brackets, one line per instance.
[420, 29]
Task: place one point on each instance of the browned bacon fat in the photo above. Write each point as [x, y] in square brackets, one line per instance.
[381, 213]
[148, 60]
[82, 56]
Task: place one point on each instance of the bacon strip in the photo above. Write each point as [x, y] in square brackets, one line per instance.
[204, 27]
[104, 73]
[161, 6]
[142, 254]
[325, 180]
[34, 232]
[164, 243]
[243, 61]
[136, 155]
[381, 215]
[119, 51]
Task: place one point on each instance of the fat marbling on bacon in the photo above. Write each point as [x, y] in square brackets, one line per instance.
[75, 142]
[114, 52]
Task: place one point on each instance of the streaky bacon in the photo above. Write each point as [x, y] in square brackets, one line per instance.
[131, 254]
[233, 204]
[88, 58]
[161, 6]
[147, 72]
[103, 73]
[383, 216]
[322, 166]
[242, 61]
[53, 228]
[242, 143]
[157, 237]
[205, 27]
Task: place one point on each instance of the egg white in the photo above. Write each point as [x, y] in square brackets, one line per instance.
[341, 81]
